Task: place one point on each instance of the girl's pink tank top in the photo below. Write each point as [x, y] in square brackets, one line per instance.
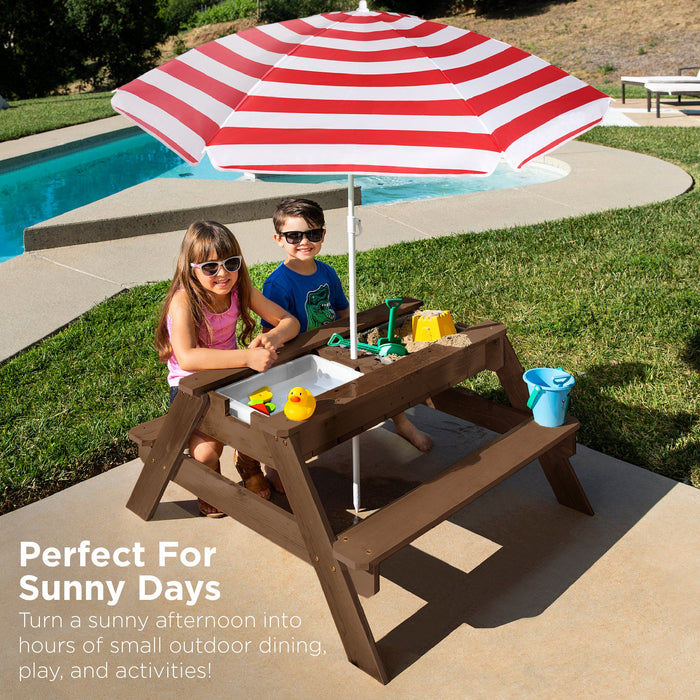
[223, 335]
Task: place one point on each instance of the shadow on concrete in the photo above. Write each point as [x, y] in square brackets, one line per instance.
[536, 548]
[542, 548]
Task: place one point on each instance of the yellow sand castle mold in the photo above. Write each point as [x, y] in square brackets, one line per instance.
[432, 325]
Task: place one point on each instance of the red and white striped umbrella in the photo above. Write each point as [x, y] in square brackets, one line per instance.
[360, 92]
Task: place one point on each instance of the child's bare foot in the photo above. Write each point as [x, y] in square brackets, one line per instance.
[274, 478]
[409, 432]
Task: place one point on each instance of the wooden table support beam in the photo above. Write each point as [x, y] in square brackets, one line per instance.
[167, 453]
[337, 585]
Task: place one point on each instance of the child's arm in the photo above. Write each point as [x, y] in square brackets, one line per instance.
[193, 357]
[285, 326]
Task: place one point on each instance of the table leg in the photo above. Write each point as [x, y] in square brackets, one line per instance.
[166, 455]
[564, 482]
[556, 467]
[511, 377]
[337, 585]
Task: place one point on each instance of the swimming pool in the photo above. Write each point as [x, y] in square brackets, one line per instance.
[54, 185]
[381, 189]
[49, 187]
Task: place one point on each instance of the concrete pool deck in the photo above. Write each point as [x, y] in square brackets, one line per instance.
[512, 597]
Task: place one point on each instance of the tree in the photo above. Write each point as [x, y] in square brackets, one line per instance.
[176, 12]
[280, 10]
[38, 48]
[118, 37]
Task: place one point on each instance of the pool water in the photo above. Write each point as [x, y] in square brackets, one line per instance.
[55, 185]
[47, 188]
[382, 189]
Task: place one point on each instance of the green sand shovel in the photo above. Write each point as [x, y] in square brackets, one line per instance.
[389, 345]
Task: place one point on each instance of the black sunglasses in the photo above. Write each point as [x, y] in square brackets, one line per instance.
[211, 268]
[313, 235]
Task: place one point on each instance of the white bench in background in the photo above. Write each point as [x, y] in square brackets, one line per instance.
[644, 79]
[657, 89]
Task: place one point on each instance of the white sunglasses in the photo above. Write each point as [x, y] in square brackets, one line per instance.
[211, 268]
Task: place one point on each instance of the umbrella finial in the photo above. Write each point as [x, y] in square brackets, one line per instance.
[363, 7]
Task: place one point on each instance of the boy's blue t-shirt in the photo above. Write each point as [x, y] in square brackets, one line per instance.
[313, 299]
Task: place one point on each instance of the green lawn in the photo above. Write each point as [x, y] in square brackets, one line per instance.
[613, 297]
[27, 117]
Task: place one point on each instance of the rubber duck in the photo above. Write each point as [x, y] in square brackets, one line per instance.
[300, 404]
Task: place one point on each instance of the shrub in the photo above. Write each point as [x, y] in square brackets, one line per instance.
[280, 10]
[227, 11]
[177, 13]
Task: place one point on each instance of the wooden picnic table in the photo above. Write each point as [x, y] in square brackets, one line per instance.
[348, 563]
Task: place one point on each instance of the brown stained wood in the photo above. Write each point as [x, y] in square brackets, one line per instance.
[364, 362]
[303, 344]
[564, 482]
[383, 391]
[145, 434]
[366, 582]
[165, 457]
[511, 378]
[555, 464]
[337, 585]
[478, 410]
[354, 407]
[247, 438]
[361, 404]
[262, 516]
[381, 534]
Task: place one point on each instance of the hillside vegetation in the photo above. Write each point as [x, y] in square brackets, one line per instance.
[599, 40]
[595, 40]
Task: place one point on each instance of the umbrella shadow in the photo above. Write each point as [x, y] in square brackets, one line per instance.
[691, 351]
[538, 548]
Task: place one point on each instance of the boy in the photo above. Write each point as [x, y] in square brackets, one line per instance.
[310, 289]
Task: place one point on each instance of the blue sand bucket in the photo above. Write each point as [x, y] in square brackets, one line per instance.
[549, 394]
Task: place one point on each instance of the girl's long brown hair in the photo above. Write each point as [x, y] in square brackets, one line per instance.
[204, 240]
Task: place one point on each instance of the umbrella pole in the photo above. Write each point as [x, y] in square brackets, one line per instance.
[352, 225]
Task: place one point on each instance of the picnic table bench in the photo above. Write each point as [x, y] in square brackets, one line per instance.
[348, 563]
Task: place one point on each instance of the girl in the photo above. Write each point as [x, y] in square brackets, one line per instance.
[210, 293]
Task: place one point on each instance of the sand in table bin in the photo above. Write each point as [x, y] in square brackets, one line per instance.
[405, 332]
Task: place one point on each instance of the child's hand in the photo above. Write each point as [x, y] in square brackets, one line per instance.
[264, 340]
[260, 359]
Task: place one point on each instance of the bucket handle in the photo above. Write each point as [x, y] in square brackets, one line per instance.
[532, 400]
[560, 381]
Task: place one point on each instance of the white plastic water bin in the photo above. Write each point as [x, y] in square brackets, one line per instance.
[314, 373]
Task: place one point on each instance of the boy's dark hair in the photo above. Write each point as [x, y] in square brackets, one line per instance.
[306, 209]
